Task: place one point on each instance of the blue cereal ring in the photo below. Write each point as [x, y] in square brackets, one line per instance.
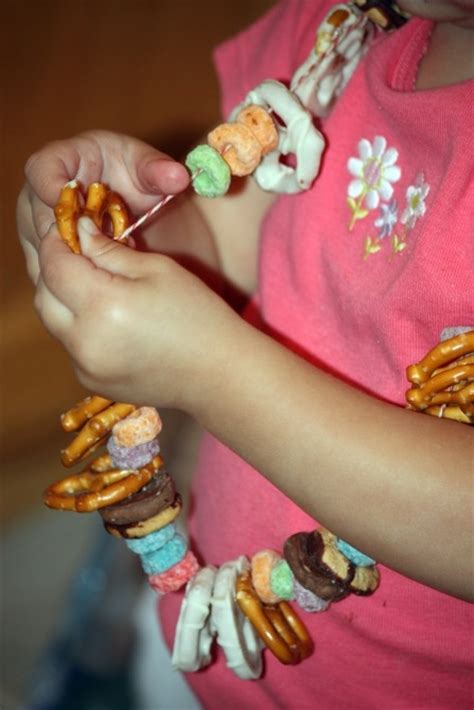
[170, 554]
[211, 174]
[153, 541]
[354, 555]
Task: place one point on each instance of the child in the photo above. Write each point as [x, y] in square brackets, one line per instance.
[303, 395]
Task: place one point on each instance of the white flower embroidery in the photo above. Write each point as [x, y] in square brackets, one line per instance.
[388, 218]
[415, 196]
[374, 171]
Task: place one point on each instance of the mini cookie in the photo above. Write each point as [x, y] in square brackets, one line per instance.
[145, 527]
[319, 567]
[165, 557]
[158, 494]
[365, 582]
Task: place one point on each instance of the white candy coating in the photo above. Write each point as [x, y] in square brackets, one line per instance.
[193, 637]
[298, 136]
[323, 75]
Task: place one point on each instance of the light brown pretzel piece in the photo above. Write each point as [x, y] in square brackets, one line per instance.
[74, 418]
[443, 381]
[441, 355]
[98, 486]
[278, 626]
[100, 201]
[94, 432]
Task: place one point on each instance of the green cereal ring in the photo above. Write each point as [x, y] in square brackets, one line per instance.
[281, 580]
[213, 178]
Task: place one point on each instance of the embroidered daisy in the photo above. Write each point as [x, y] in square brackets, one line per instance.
[388, 218]
[374, 171]
[415, 196]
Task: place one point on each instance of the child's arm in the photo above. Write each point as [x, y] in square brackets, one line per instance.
[393, 483]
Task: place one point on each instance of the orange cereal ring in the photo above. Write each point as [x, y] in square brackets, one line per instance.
[261, 566]
[238, 145]
[261, 124]
[141, 426]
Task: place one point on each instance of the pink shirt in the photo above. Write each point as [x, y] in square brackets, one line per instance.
[361, 273]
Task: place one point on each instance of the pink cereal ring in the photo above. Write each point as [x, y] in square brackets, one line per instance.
[262, 126]
[238, 145]
[141, 426]
[175, 577]
[261, 566]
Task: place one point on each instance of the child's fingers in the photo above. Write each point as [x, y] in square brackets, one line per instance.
[110, 255]
[77, 279]
[156, 173]
[56, 317]
[31, 257]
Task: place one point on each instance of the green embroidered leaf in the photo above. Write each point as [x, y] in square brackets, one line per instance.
[372, 246]
[398, 245]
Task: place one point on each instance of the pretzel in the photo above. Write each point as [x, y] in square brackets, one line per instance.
[94, 432]
[443, 381]
[444, 353]
[421, 397]
[278, 626]
[457, 414]
[74, 418]
[98, 486]
[100, 201]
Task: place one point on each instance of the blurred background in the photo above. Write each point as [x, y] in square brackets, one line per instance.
[140, 67]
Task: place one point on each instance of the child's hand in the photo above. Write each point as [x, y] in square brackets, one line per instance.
[135, 170]
[139, 327]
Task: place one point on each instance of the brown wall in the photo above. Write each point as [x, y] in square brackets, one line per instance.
[141, 67]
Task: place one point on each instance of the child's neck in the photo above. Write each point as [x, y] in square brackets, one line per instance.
[449, 58]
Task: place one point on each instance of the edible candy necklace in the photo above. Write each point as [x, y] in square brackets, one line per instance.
[243, 603]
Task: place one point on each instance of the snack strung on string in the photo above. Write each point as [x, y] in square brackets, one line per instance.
[278, 626]
[99, 203]
[98, 486]
[443, 381]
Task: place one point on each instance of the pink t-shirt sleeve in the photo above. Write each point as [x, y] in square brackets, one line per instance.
[263, 51]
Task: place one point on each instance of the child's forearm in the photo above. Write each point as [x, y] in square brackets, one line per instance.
[392, 482]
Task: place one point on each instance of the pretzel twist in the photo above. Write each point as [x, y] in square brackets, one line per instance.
[94, 431]
[444, 353]
[100, 201]
[278, 626]
[74, 418]
[443, 381]
[98, 486]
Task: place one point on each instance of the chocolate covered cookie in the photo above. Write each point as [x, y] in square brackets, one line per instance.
[318, 565]
[158, 494]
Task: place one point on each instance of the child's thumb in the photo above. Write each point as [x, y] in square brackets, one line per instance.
[106, 253]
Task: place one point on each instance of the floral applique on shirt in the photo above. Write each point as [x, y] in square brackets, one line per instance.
[374, 174]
